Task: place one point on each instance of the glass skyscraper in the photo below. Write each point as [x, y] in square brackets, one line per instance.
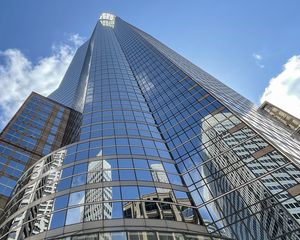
[137, 143]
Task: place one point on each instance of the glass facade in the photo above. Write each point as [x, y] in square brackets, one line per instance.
[164, 151]
[38, 128]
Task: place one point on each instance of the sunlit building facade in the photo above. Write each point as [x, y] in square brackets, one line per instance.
[39, 127]
[155, 148]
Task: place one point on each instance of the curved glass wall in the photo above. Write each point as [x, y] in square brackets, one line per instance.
[76, 185]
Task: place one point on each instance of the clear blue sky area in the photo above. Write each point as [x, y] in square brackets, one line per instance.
[219, 36]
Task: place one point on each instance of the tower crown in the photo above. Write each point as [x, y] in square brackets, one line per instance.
[107, 19]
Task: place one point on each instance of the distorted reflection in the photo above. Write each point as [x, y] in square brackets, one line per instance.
[93, 212]
[38, 219]
[96, 173]
[158, 173]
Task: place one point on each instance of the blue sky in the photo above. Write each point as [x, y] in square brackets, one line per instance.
[243, 43]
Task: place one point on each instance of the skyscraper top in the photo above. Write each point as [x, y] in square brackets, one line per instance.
[107, 19]
[107, 16]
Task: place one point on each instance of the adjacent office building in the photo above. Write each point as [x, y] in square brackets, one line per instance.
[139, 143]
[38, 128]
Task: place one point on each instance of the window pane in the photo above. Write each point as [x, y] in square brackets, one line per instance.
[93, 212]
[74, 215]
[80, 168]
[64, 184]
[57, 219]
[117, 210]
[76, 198]
[67, 172]
[140, 163]
[113, 236]
[127, 175]
[130, 192]
[143, 175]
[94, 195]
[79, 180]
[61, 202]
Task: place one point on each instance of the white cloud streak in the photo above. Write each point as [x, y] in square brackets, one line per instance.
[258, 58]
[284, 90]
[19, 76]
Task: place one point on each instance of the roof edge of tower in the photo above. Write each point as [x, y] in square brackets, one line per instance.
[107, 16]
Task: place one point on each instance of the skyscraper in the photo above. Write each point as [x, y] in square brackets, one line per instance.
[164, 151]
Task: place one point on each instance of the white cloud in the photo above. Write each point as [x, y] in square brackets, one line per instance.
[76, 39]
[258, 58]
[284, 89]
[19, 76]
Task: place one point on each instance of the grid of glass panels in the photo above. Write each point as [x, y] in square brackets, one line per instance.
[216, 153]
[41, 201]
[68, 93]
[13, 161]
[245, 109]
[28, 128]
[39, 127]
[121, 168]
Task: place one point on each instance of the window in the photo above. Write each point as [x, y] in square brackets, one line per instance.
[74, 215]
[127, 175]
[143, 175]
[78, 180]
[61, 202]
[57, 219]
[129, 192]
[76, 198]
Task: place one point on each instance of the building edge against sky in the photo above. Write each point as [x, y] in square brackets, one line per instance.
[164, 151]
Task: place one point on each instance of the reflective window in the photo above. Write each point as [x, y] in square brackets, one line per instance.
[127, 175]
[79, 180]
[142, 175]
[61, 202]
[64, 184]
[74, 215]
[76, 198]
[57, 219]
[129, 192]
[113, 236]
[66, 172]
[80, 168]
[117, 210]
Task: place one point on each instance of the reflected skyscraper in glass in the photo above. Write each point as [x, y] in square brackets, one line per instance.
[139, 143]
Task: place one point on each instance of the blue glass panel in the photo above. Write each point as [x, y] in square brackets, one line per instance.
[64, 184]
[74, 215]
[57, 219]
[127, 175]
[76, 198]
[61, 202]
[129, 192]
[79, 180]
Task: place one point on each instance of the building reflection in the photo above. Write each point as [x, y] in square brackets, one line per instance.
[92, 204]
[234, 164]
[39, 215]
[158, 173]
[161, 205]
[96, 174]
